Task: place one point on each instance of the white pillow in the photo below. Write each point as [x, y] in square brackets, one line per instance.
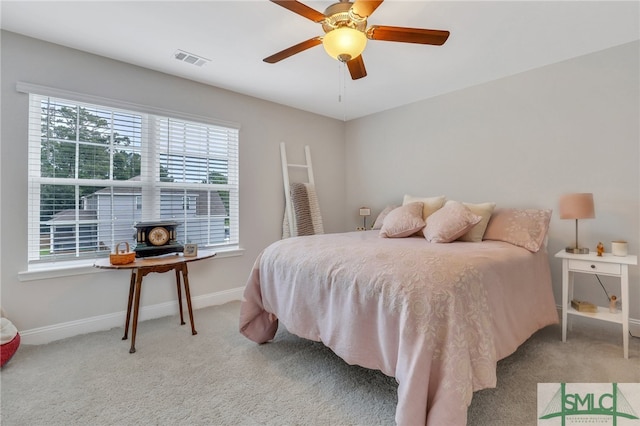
[476, 233]
[449, 222]
[430, 204]
[403, 221]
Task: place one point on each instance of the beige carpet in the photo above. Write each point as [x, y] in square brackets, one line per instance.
[220, 378]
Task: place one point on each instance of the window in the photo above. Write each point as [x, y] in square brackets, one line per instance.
[94, 171]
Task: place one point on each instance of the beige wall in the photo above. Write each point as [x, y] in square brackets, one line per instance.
[45, 303]
[520, 141]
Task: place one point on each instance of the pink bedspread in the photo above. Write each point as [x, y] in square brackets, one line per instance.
[437, 317]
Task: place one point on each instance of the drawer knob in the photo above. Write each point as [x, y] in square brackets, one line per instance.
[593, 266]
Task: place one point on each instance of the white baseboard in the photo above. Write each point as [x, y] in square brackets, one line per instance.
[42, 335]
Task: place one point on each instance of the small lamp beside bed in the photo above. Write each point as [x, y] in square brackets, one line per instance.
[577, 206]
[364, 212]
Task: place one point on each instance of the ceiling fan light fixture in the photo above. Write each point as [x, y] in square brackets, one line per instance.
[344, 43]
[345, 32]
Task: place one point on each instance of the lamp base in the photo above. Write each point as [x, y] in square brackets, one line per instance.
[577, 250]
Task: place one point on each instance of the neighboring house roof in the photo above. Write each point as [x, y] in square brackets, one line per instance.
[119, 190]
[217, 205]
[70, 215]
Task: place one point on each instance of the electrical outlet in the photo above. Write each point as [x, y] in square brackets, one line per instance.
[359, 228]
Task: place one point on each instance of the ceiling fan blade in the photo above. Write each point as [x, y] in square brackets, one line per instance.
[407, 35]
[364, 8]
[301, 9]
[356, 68]
[300, 47]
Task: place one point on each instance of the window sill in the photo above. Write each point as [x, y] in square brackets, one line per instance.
[47, 271]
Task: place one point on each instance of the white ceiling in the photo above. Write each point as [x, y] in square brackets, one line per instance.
[488, 40]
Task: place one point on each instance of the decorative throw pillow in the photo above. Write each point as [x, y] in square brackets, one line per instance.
[378, 223]
[521, 227]
[403, 221]
[430, 204]
[449, 222]
[476, 233]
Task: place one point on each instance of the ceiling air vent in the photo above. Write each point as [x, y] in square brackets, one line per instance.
[190, 58]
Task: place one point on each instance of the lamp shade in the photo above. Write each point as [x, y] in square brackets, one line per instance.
[344, 43]
[577, 206]
[365, 211]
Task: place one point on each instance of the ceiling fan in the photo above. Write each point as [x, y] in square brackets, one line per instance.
[346, 32]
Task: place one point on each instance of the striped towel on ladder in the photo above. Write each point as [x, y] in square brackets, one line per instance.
[306, 212]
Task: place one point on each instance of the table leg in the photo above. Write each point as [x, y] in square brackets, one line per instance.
[179, 296]
[624, 290]
[131, 288]
[136, 308]
[185, 279]
[565, 298]
[571, 277]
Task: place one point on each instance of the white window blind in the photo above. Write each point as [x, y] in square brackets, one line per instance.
[94, 171]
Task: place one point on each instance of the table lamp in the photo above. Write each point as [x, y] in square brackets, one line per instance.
[577, 206]
[364, 212]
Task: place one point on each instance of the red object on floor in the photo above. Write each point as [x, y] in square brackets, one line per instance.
[8, 349]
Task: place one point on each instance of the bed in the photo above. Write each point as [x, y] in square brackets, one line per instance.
[437, 317]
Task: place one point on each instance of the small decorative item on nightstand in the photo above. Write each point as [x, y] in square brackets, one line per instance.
[612, 304]
[619, 248]
[582, 306]
[600, 249]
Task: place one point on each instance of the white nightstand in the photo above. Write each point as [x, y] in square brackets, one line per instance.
[608, 264]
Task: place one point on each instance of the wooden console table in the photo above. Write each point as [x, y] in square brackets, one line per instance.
[144, 266]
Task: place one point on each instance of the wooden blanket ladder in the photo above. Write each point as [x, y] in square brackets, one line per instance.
[285, 178]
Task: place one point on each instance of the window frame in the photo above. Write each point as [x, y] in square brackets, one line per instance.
[34, 262]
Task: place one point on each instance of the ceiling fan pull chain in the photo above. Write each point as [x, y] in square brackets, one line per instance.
[343, 68]
[340, 74]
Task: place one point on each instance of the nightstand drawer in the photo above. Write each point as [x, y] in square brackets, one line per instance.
[594, 267]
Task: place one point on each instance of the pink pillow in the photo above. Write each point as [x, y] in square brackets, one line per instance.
[403, 221]
[521, 227]
[378, 223]
[449, 223]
